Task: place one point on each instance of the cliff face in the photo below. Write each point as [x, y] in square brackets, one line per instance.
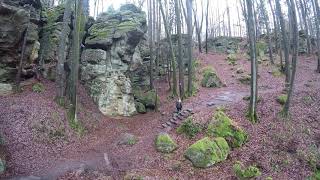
[110, 58]
[15, 17]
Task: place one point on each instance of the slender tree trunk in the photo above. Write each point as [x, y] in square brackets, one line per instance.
[61, 76]
[190, 57]
[317, 19]
[180, 61]
[172, 56]
[305, 23]
[253, 99]
[150, 26]
[23, 49]
[266, 22]
[275, 27]
[229, 21]
[75, 60]
[295, 36]
[207, 24]
[285, 41]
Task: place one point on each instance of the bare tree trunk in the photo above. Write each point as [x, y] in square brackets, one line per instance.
[305, 23]
[150, 32]
[266, 22]
[75, 60]
[61, 76]
[317, 19]
[285, 42]
[23, 49]
[207, 24]
[253, 99]
[229, 21]
[190, 57]
[295, 36]
[173, 62]
[180, 61]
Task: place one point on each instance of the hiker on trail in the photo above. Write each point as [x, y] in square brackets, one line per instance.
[179, 105]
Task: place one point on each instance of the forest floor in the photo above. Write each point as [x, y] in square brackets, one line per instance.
[281, 148]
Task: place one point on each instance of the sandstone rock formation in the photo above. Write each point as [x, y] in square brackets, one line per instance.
[14, 20]
[111, 57]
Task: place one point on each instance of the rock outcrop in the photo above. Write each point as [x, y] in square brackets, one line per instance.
[111, 56]
[15, 17]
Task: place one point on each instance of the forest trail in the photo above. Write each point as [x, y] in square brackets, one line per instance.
[99, 149]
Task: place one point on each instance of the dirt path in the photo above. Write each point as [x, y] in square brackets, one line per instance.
[99, 149]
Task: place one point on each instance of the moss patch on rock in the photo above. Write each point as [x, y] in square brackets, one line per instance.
[140, 108]
[282, 99]
[210, 78]
[149, 99]
[232, 59]
[245, 79]
[245, 172]
[38, 88]
[207, 152]
[2, 166]
[165, 144]
[222, 126]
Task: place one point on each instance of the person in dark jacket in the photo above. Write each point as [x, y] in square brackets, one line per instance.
[179, 105]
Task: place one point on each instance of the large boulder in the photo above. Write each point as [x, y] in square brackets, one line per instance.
[15, 17]
[210, 79]
[207, 152]
[165, 144]
[222, 126]
[111, 57]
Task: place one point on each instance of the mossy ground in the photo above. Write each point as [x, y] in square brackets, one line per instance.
[189, 128]
[282, 99]
[38, 88]
[246, 172]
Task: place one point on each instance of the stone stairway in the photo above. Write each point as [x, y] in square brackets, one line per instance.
[177, 118]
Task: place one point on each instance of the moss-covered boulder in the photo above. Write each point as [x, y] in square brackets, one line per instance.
[165, 144]
[245, 79]
[149, 98]
[140, 108]
[232, 59]
[246, 172]
[207, 152]
[282, 99]
[38, 87]
[210, 79]
[222, 126]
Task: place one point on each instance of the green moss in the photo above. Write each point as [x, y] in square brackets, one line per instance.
[140, 108]
[245, 79]
[189, 128]
[276, 73]
[232, 59]
[315, 176]
[210, 78]
[2, 166]
[246, 173]
[148, 99]
[206, 152]
[165, 144]
[38, 88]
[282, 99]
[74, 123]
[222, 126]
[261, 48]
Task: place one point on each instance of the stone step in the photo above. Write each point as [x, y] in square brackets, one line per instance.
[168, 123]
[164, 125]
[180, 118]
[173, 122]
